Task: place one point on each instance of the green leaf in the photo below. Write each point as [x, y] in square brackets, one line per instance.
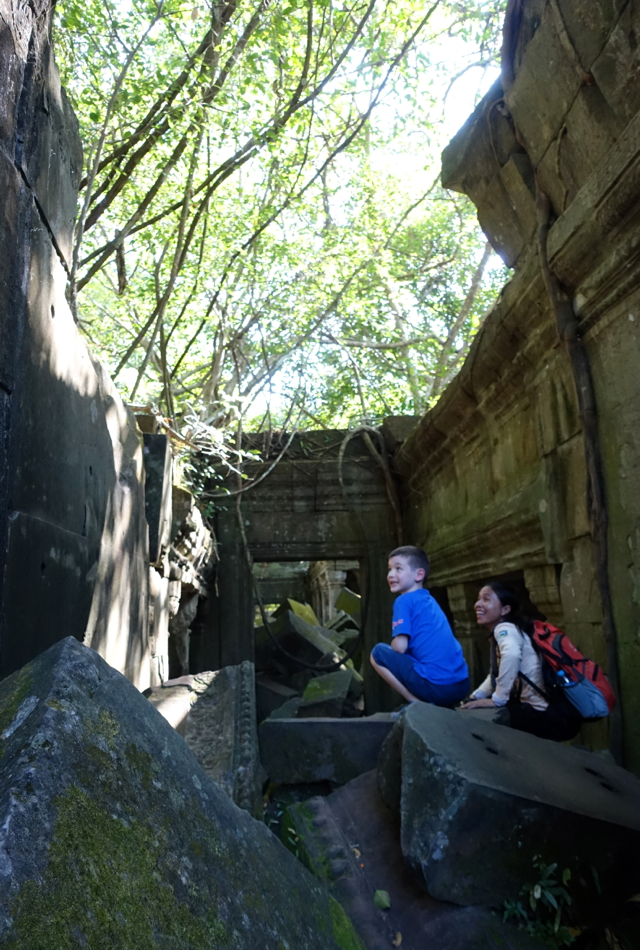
[566, 876]
[556, 921]
[382, 900]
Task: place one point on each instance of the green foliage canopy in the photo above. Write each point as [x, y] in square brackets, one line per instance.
[261, 226]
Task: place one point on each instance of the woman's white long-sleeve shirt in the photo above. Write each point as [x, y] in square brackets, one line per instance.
[516, 654]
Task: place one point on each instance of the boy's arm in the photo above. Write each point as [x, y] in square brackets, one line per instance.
[400, 643]
[401, 625]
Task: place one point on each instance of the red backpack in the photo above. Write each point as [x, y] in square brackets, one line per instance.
[580, 679]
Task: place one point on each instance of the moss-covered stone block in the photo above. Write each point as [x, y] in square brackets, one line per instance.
[112, 837]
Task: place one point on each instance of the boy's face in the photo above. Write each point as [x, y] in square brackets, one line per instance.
[402, 577]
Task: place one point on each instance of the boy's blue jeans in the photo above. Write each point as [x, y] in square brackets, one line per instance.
[403, 668]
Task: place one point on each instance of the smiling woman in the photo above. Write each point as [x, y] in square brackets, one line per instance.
[515, 682]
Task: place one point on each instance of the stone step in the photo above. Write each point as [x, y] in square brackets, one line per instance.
[350, 841]
[301, 751]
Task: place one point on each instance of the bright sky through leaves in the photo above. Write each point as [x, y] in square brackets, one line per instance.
[262, 232]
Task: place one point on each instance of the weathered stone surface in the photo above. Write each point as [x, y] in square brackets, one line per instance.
[112, 836]
[180, 631]
[493, 477]
[297, 751]
[300, 610]
[325, 695]
[344, 636]
[172, 702]
[325, 580]
[479, 161]
[396, 429]
[192, 552]
[73, 546]
[277, 581]
[220, 729]
[351, 603]
[474, 794]
[288, 710]
[270, 695]
[304, 642]
[159, 612]
[351, 841]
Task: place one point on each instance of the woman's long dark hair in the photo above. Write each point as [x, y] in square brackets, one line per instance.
[509, 598]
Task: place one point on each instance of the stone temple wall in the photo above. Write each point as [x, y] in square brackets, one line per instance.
[73, 535]
[494, 475]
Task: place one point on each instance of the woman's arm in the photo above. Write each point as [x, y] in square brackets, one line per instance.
[481, 696]
[484, 690]
[478, 704]
[510, 643]
[400, 643]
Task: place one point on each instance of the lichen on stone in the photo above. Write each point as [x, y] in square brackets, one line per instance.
[343, 932]
[102, 890]
[107, 728]
[13, 691]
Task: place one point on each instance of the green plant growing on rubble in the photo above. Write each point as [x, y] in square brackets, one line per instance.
[545, 902]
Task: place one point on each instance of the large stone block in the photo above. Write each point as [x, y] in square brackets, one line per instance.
[75, 497]
[474, 795]
[112, 835]
[300, 751]
[616, 69]
[300, 639]
[325, 695]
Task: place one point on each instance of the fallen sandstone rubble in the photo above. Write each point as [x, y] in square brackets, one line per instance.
[435, 808]
[351, 841]
[283, 667]
[458, 811]
[103, 805]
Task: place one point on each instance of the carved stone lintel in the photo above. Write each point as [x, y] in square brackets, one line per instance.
[221, 731]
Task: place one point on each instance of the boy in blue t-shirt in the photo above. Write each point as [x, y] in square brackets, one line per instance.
[424, 660]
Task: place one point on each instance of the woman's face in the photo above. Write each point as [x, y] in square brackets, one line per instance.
[489, 610]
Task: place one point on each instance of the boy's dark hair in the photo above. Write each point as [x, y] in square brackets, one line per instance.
[416, 557]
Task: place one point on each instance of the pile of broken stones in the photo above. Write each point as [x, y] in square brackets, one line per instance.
[116, 831]
[286, 689]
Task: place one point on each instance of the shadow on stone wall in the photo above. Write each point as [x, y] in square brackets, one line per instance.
[73, 537]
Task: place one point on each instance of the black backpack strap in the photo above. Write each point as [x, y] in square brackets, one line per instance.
[533, 686]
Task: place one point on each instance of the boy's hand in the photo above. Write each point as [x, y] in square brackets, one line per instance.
[400, 643]
[477, 704]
